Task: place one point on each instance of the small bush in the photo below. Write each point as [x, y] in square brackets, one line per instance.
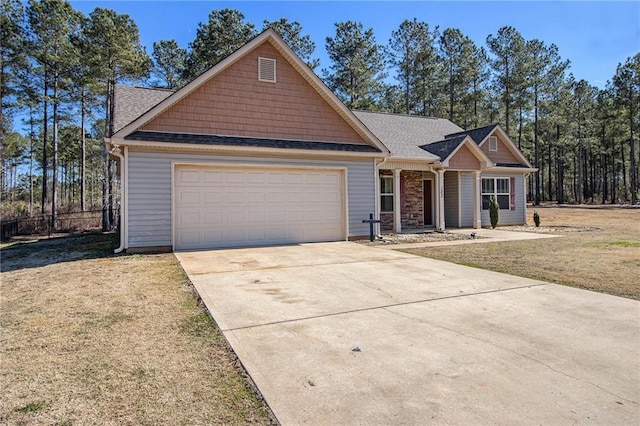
[536, 219]
[494, 211]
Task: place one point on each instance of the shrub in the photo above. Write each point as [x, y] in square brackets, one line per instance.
[494, 211]
[536, 219]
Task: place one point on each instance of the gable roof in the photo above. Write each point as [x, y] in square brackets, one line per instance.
[267, 36]
[444, 148]
[403, 134]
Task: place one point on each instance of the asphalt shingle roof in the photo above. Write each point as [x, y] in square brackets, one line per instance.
[131, 102]
[444, 148]
[244, 141]
[404, 134]
[478, 135]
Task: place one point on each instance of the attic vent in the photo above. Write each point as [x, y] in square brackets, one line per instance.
[267, 70]
[493, 143]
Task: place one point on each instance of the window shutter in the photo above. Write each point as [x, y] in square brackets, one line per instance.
[512, 193]
[267, 70]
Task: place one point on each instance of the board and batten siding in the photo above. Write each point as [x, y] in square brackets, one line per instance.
[451, 201]
[150, 185]
[467, 199]
[509, 217]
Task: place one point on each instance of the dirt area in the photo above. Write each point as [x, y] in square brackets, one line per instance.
[422, 237]
[88, 337]
[599, 249]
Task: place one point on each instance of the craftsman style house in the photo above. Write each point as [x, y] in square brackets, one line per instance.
[257, 151]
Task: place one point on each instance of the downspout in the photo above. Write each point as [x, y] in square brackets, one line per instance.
[115, 151]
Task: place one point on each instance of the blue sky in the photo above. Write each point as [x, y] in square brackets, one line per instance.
[594, 36]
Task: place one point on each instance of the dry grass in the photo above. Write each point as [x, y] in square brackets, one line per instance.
[92, 338]
[604, 259]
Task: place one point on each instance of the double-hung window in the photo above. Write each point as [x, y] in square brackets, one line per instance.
[498, 188]
[386, 194]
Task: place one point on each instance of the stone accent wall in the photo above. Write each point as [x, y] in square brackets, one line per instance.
[411, 206]
[386, 222]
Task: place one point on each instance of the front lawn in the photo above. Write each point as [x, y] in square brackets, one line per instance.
[88, 337]
[599, 250]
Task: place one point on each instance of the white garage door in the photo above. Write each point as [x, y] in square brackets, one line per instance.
[231, 207]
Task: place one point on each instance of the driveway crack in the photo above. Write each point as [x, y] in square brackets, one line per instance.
[479, 339]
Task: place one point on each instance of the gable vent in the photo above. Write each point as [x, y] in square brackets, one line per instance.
[267, 70]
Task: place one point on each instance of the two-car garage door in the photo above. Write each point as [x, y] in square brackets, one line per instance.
[245, 206]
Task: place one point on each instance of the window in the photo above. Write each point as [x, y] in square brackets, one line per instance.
[493, 143]
[496, 187]
[267, 70]
[386, 194]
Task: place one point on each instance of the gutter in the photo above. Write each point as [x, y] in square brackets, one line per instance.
[115, 151]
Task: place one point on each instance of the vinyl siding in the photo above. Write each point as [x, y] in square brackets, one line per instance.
[235, 103]
[451, 216]
[508, 217]
[466, 199]
[150, 183]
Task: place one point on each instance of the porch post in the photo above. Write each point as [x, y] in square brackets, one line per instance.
[440, 185]
[477, 210]
[397, 219]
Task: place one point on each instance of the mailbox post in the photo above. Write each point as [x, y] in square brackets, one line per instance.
[371, 221]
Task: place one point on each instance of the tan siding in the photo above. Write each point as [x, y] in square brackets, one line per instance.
[464, 159]
[502, 155]
[235, 103]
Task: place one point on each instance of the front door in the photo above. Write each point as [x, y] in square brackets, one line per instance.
[427, 200]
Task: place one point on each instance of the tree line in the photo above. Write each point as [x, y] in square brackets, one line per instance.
[60, 67]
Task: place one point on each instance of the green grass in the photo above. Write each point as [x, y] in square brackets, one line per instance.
[32, 407]
[623, 243]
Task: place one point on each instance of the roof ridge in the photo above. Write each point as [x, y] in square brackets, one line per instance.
[397, 114]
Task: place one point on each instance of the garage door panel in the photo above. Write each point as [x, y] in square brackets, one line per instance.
[224, 207]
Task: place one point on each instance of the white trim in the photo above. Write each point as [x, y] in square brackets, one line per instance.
[493, 140]
[517, 170]
[343, 173]
[441, 221]
[125, 198]
[509, 144]
[262, 61]
[458, 189]
[475, 150]
[397, 215]
[477, 206]
[244, 149]
[272, 37]
[115, 151]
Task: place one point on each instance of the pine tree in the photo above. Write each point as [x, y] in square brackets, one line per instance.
[544, 70]
[406, 47]
[291, 33]
[52, 24]
[224, 33]
[357, 68]
[457, 51]
[627, 85]
[120, 57]
[169, 63]
[507, 47]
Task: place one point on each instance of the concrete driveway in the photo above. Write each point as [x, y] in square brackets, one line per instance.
[341, 333]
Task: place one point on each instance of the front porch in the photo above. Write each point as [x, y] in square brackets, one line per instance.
[428, 200]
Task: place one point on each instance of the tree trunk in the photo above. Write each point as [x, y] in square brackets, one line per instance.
[83, 154]
[535, 145]
[45, 133]
[54, 180]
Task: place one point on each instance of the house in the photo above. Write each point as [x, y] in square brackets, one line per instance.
[257, 150]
